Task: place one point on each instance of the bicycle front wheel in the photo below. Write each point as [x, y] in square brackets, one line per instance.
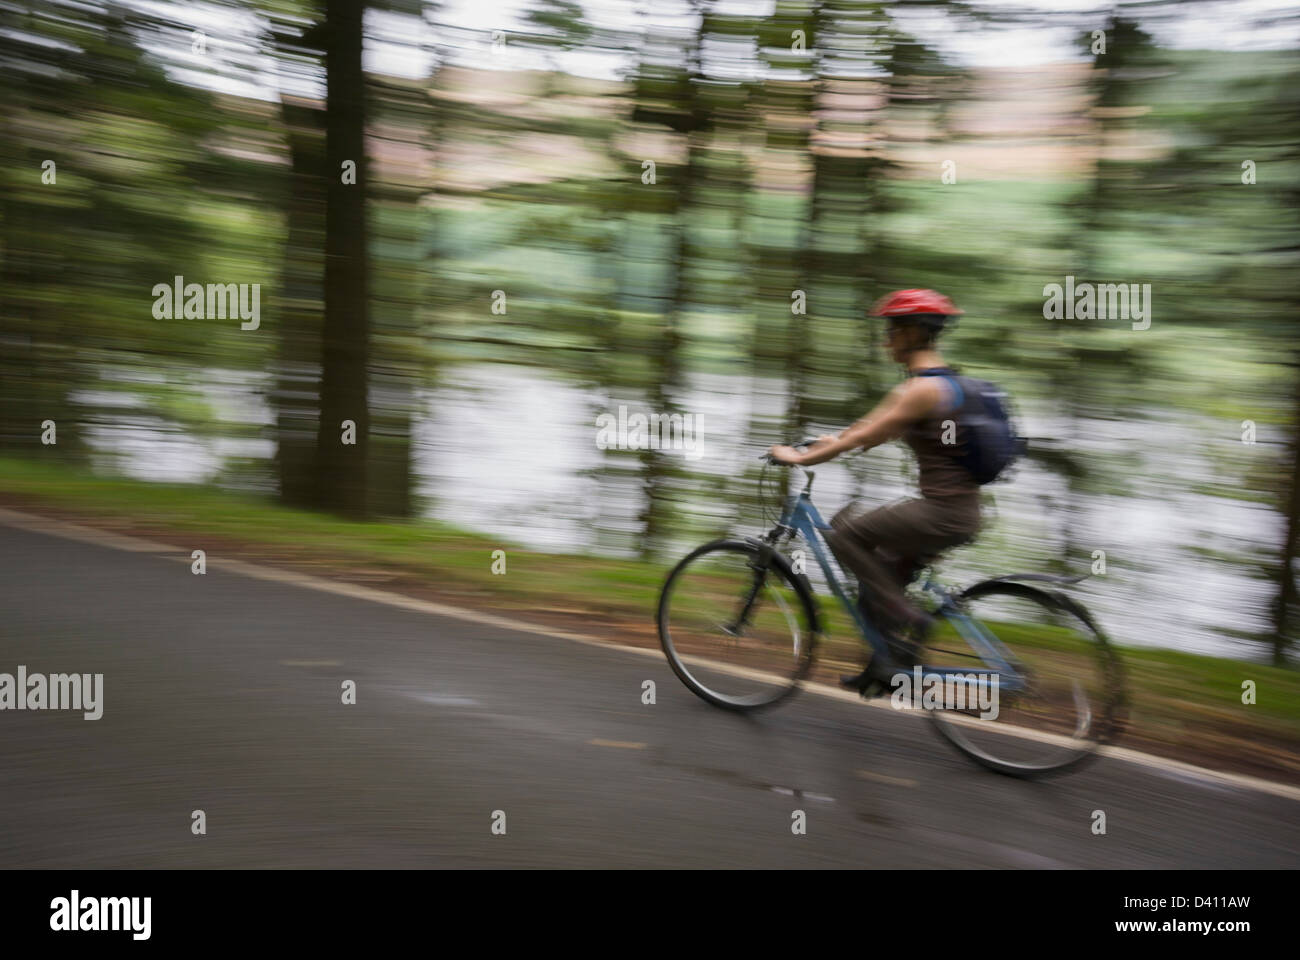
[737, 625]
[1059, 692]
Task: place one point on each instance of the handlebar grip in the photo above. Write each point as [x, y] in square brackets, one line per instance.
[805, 442]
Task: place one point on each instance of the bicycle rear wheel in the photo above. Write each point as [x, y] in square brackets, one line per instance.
[737, 625]
[1062, 696]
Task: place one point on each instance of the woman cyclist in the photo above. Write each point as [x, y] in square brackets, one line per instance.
[884, 547]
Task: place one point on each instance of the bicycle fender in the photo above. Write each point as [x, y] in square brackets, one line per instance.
[1044, 577]
[1064, 601]
[1001, 583]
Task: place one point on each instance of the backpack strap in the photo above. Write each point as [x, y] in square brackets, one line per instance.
[953, 382]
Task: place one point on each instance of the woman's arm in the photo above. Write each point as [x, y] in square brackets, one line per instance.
[907, 403]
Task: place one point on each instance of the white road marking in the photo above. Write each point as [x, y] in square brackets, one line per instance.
[444, 699]
[885, 778]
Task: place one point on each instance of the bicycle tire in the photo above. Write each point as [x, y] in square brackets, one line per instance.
[770, 562]
[1106, 720]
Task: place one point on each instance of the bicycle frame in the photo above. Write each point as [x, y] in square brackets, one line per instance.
[800, 516]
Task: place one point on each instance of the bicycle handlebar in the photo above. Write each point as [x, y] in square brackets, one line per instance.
[805, 442]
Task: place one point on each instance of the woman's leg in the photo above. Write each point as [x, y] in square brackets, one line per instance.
[872, 543]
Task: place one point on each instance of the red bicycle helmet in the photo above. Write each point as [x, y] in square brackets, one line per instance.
[922, 304]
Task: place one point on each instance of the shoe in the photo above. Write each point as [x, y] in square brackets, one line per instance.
[868, 689]
[904, 653]
[857, 681]
[875, 679]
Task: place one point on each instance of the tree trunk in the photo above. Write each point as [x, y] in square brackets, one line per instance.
[399, 114]
[297, 376]
[341, 459]
[1286, 598]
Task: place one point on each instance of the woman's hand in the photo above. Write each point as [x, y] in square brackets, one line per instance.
[783, 454]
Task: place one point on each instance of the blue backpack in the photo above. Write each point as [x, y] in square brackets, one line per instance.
[983, 425]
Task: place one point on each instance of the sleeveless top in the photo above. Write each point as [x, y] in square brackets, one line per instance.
[941, 473]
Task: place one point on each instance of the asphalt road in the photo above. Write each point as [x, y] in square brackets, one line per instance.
[222, 693]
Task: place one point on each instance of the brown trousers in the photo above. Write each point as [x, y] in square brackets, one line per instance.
[885, 547]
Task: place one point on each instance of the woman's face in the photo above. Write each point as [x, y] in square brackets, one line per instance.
[899, 341]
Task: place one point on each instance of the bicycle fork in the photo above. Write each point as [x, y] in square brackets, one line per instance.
[742, 619]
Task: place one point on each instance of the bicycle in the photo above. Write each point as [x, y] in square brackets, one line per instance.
[1043, 663]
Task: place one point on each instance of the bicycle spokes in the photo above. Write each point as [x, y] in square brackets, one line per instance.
[1057, 695]
[736, 628]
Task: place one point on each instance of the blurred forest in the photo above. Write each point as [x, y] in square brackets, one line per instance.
[474, 259]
